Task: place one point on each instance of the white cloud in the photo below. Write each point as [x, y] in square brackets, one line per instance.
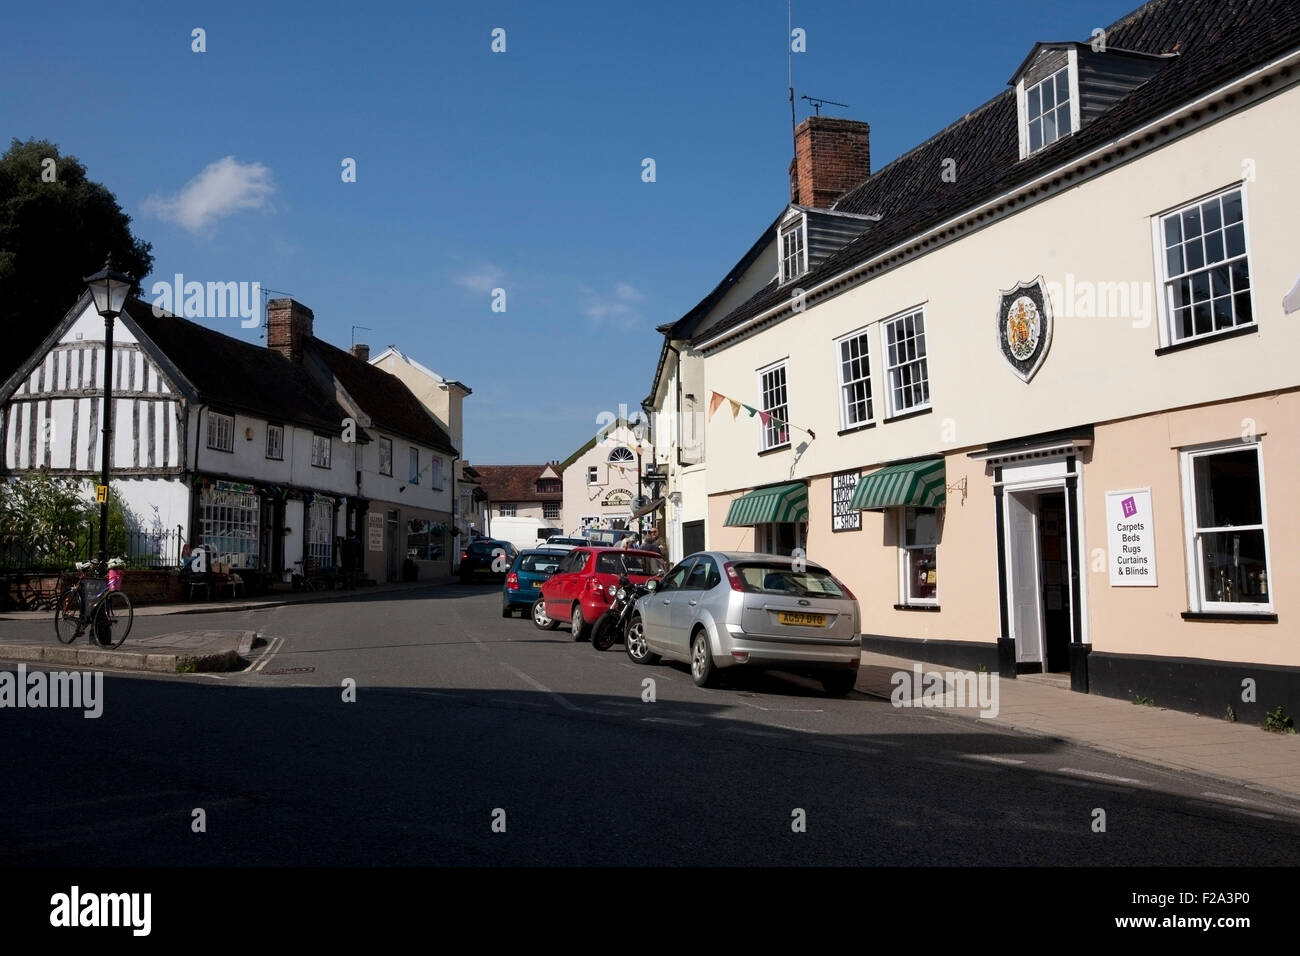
[485, 278]
[619, 308]
[218, 191]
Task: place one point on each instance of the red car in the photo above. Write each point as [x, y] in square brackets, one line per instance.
[579, 590]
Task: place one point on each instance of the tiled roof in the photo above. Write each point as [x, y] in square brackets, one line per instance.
[383, 397]
[1215, 40]
[239, 375]
[514, 483]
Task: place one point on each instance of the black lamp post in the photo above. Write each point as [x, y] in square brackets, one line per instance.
[109, 288]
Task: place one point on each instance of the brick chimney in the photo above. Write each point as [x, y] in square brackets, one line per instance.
[831, 157]
[288, 326]
[361, 351]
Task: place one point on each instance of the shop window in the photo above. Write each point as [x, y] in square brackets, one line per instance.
[229, 522]
[918, 540]
[320, 532]
[781, 538]
[1227, 541]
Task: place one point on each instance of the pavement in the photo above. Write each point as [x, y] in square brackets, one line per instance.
[1244, 754]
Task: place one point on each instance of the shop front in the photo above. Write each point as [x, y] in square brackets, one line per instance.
[778, 515]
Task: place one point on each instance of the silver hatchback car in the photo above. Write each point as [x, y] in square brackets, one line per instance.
[724, 609]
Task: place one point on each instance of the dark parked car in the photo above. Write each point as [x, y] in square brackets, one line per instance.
[530, 569]
[480, 560]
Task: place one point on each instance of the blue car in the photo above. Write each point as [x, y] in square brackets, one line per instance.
[525, 577]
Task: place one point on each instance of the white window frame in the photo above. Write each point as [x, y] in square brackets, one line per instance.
[798, 227]
[864, 334]
[413, 465]
[316, 448]
[1165, 291]
[766, 437]
[1198, 601]
[320, 531]
[508, 510]
[221, 425]
[230, 524]
[593, 475]
[550, 511]
[1022, 104]
[891, 410]
[435, 474]
[621, 455]
[385, 443]
[904, 591]
[278, 446]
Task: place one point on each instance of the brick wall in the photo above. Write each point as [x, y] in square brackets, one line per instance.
[831, 157]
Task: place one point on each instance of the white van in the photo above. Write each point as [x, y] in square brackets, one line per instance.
[521, 532]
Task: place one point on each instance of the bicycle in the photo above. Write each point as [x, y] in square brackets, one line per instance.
[108, 613]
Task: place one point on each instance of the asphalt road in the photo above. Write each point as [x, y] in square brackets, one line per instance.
[462, 720]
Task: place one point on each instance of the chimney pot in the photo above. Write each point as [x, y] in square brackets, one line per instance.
[831, 157]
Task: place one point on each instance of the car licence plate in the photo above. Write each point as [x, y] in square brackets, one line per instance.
[801, 619]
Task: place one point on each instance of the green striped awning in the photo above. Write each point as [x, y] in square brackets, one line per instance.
[919, 485]
[765, 505]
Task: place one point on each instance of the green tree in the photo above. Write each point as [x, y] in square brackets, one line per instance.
[46, 521]
[56, 227]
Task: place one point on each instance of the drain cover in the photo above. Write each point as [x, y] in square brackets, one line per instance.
[290, 670]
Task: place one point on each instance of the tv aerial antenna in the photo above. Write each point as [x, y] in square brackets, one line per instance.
[363, 328]
[818, 103]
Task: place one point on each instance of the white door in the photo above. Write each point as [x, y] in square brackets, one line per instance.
[1022, 547]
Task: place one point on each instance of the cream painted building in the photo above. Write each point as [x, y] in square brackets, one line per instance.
[600, 478]
[1041, 412]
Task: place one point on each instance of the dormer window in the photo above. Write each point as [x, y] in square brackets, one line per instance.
[1047, 96]
[1047, 110]
[794, 250]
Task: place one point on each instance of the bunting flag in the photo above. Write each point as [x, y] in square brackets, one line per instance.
[767, 418]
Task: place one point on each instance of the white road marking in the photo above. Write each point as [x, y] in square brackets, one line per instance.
[991, 758]
[538, 685]
[783, 710]
[671, 720]
[1095, 775]
[267, 653]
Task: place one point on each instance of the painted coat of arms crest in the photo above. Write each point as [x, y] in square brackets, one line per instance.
[1024, 324]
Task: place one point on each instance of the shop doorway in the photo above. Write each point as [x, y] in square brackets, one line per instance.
[1040, 569]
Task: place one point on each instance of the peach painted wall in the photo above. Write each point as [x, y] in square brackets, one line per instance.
[1143, 452]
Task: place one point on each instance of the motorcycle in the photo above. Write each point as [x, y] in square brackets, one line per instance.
[612, 625]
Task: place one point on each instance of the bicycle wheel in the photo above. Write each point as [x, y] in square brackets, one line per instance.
[67, 616]
[113, 619]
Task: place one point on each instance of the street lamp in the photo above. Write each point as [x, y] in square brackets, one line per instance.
[109, 288]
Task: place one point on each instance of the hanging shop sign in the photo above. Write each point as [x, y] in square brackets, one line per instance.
[843, 516]
[1131, 531]
[375, 531]
[1024, 326]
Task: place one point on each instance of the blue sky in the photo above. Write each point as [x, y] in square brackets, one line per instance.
[478, 170]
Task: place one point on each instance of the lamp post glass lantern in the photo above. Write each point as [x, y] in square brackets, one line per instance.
[109, 288]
